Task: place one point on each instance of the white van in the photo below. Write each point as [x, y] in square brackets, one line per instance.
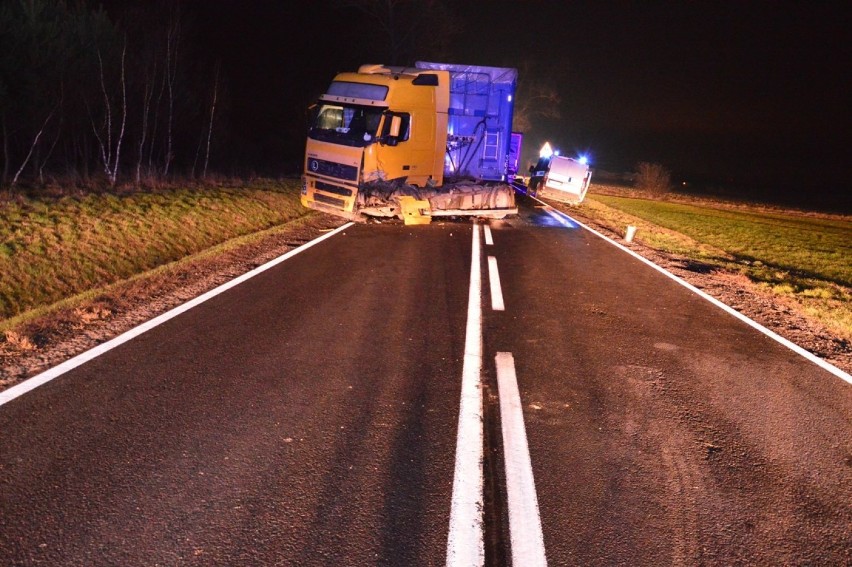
[566, 180]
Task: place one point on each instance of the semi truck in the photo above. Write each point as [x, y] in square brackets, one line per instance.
[412, 142]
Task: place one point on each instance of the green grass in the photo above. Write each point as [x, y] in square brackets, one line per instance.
[805, 246]
[794, 255]
[52, 249]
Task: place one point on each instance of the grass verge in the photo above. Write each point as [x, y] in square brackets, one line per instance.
[52, 249]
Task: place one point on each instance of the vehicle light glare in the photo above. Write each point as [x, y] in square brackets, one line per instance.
[584, 160]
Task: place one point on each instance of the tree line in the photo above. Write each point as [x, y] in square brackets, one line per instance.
[153, 91]
[85, 98]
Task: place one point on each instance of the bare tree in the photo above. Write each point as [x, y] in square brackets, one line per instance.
[43, 162]
[212, 114]
[110, 157]
[105, 147]
[150, 78]
[136, 89]
[33, 146]
[154, 126]
[123, 116]
[653, 177]
[536, 98]
[172, 40]
[5, 151]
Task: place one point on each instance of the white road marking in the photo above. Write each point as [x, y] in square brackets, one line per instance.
[48, 375]
[754, 324]
[465, 543]
[488, 239]
[563, 220]
[496, 289]
[524, 518]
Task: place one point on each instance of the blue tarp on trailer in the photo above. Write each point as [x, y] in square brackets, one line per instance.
[480, 119]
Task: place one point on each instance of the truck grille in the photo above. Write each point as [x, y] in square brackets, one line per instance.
[329, 200]
[336, 189]
[332, 169]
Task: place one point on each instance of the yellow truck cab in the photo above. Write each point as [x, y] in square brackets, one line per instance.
[380, 124]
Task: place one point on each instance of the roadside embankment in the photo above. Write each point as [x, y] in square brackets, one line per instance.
[80, 268]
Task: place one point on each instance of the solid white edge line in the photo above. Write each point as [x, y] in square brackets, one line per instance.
[494, 282]
[489, 240]
[524, 517]
[560, 219]
[465, 542]
[754, 324]
[48, 375]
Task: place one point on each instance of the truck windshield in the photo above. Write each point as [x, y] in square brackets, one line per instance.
[345, 124]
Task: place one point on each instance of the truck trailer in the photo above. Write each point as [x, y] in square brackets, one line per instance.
[412, 142]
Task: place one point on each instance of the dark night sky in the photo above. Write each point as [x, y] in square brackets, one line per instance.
[748, 94]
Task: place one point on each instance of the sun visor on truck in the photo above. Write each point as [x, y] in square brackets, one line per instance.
[426, 80]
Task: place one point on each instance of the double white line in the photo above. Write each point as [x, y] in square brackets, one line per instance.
[465, 544]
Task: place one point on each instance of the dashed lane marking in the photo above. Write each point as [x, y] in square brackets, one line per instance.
[496, 289]
[524, 518]
[488, 239]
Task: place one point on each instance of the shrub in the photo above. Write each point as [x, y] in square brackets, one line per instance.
[653, 177]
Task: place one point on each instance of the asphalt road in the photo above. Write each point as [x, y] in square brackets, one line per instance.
[309, 417]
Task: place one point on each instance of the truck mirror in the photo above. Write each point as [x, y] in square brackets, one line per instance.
[391, 138]
[396, 125]
[311, 114]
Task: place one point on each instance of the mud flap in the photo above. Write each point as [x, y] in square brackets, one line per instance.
[413, 210]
